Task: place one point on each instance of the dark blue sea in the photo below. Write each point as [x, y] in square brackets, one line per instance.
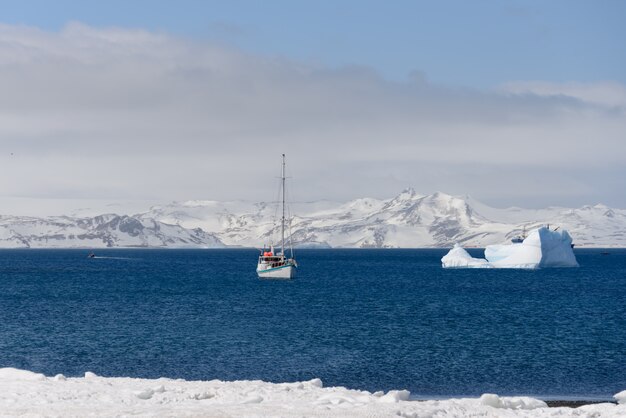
[366, 319]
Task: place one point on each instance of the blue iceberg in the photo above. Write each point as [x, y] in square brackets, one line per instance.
[542, 248]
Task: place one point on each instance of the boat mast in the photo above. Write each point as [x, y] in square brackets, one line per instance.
[282, 223]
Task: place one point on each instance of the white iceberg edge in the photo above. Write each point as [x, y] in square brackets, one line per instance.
[542, 248]
[26, 393]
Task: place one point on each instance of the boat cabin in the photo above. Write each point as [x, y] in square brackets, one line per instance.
[268, 257]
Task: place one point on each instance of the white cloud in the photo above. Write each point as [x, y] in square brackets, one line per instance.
[116, 114]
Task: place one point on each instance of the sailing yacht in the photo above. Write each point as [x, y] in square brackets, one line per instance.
[272, 264]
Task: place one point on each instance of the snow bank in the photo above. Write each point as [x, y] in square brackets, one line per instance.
[9, 374]
[542, 248]
[31, 394]
[522, 402]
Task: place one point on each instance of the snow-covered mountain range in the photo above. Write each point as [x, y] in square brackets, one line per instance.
[408, 220]
[99, 232]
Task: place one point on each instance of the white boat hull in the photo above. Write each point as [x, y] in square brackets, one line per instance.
[282, 272]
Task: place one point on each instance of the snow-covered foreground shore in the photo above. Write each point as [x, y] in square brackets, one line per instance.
[24, 393]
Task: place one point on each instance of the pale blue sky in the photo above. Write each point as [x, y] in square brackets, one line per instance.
[480, 43]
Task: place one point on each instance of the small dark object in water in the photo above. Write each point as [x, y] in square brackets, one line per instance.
[605, 253]
[91, 255]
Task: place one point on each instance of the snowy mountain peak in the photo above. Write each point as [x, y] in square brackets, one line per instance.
[407, 194]
[408, 191]
[405, 198]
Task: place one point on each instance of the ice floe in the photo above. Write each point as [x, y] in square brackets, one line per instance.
[542, 247]
[32, 394]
